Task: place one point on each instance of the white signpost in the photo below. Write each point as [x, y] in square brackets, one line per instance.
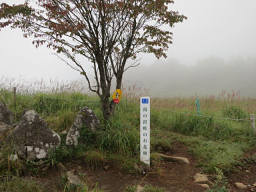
[145, 130]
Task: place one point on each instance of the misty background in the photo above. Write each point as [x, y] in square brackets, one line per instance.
[207, 77]
[212, 51]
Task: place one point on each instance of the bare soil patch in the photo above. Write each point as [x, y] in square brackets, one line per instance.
[245, 174]
[172, 176]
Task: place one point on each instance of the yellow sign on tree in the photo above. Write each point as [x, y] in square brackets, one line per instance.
[117, 96]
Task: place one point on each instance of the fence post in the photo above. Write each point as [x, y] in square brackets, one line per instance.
[14, 100]
[253, 123]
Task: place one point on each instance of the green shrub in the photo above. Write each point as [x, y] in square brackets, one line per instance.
[234, 112]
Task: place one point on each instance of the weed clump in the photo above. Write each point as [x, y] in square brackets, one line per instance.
[119, 139]
[124, 163]
[131, 188]
[19, 185]
[150, 188]
[234, 112]
[202, 126]
[94, 159]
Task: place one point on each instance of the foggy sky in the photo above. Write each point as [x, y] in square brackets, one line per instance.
[222, 29]
[208, 77]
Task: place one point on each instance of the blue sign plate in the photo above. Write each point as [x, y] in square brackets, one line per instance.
[144, 100]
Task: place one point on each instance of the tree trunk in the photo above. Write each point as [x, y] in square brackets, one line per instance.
[118, 86]
[108, 106]
[105, 104]
[119, 81]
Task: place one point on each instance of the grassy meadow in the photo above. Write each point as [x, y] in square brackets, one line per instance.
[215, 141]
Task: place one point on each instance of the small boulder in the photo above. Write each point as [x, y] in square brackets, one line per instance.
[32, 138]
[240, 185]
[174, 158]
[6, 115]
[106, 167]
[84, 119]
[73, 179]
[200, 178]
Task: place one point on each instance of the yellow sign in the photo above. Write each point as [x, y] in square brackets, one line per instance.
[117, 95]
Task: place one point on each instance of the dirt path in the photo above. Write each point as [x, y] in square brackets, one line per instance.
[172, 176]
[245, 174]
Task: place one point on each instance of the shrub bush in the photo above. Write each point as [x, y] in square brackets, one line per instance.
[234, 112]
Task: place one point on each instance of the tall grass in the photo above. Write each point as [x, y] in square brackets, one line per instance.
[25, 86]
[119, 139]
[206, 126]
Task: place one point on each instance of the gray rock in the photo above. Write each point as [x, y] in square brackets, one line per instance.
[84, 119]
[6, 115]
[32, 138]
[200, 178]
[73, 179]
[174, 158]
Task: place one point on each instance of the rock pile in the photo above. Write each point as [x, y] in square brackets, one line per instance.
[84, 119]
[33, 140]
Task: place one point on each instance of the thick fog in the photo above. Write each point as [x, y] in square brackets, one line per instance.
[212, 76]
[213, 50]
